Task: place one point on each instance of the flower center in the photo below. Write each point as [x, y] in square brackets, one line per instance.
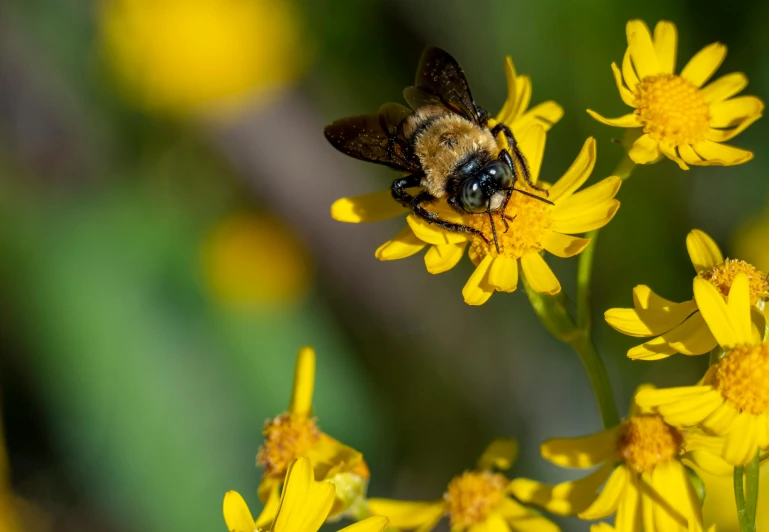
[721, 277]
[646, 441]
[742, 377]
[528, 220]
[472, 496]
[671, 108]
[286, 437]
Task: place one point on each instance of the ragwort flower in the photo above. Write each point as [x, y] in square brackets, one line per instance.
[303, 507]
[733, 398]
[674, 114]
[641, 468]
[295, 434]
[477, 501]
[680, 327]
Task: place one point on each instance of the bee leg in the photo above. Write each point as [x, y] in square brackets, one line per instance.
[493, 227]
[521, 159]
[399, 186]
[504, 216]
[433, 218]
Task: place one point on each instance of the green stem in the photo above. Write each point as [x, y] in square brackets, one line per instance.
[751, 492]
[584, 274]
[739, 497]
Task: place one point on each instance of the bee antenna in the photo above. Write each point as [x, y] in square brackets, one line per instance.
[540, 198]
[493, 228]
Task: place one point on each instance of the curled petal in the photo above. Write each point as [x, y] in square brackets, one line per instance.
[433, 234]
[717, 154]
[539, 275]
[645, 150]
[403, 245]
[564, 246]
[607, 501]
[503, 274]
[577, 173]
[439, 259]
[628, 120]
[624, 92]
[478, 290]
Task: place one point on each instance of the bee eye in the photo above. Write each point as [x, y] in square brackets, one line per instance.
[499, 173]
[472, 197]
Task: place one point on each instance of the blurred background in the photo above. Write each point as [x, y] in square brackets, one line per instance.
[166, 245]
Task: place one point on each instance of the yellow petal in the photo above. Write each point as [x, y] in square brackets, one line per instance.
[372, 207]
[439, 259]
[739, 308]
[329, 457]
[691, 411]
[583, 452]
[532, 144]
[408, 515]
[645, 150]
[493, 523]
[522, 519]
[503, 274]
[569, 220]
[641, 49]
[404, 244]
[304, 382]
[546, 114]
[724, 87]
[670, 152]
[432, 233]
[731, 113]
[709, 462]
[236, 513]
[567, 498]
[689, 156]
[704, 64]
[692, 337]
[647, 322]
[607, 501]
[628, 72]
[478, 290]
[645, 298]
[655, 349]
[703, 250]
[624, 93]
[539, 275]
[507, 113]
[628, 120]
[716, 313]
[597, 196]
[670, 482]
[716, 154]
[742, 441]
[270, 510]
[523, 88]
[652, 398]
[666, 45]
[564, 246]
[629, 508]
[721, 420]
[305, 503]
[377, 523]
[577, 173]
[500, 454]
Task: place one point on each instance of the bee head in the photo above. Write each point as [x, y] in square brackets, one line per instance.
[477, 189]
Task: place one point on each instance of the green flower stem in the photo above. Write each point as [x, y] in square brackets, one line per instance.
[739, 497]
[751, 492]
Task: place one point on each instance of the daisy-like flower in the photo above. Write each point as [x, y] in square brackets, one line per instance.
[733, 398]
[379, 206]
[679, 327]
[303, 507]
[295, 434]
[641, 466]
[477, 501]
[675, 114]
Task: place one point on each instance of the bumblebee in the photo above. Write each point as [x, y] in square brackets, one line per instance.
[445, 145]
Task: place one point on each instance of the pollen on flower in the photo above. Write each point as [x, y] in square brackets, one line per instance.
[742, 377]
[646, 441]
[671, 108]
[472, 496]
[722, 275]
[528, 221]
[285, 438]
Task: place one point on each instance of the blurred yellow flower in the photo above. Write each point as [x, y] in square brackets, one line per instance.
[184, 56]
[641, 469]
[295, 434]
[720, 509]
[253, 259]
[303, 507]
[733, 398]
[680, 327]
[477, 501]
[9, 519]
[674, 114]
[751, 241]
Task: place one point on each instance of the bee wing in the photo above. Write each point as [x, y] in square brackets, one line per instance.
[376, 138]
[441, 80]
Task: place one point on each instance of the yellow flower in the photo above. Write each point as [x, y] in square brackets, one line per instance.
[304, 506]
[381, 205]
[673, 113]
[295, 434]
[680, 327]
[641, 468]
[733, 398]
[477, 501]
[235, 266]
[183, 56]
[720, 508]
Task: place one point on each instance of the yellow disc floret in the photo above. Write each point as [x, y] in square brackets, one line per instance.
[286, 437]
[646, 441]
[522, 230]
[672, 109]
[472, 496]
[722, 275]
[742, 377]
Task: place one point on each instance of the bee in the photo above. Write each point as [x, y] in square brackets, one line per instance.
[443, 143]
